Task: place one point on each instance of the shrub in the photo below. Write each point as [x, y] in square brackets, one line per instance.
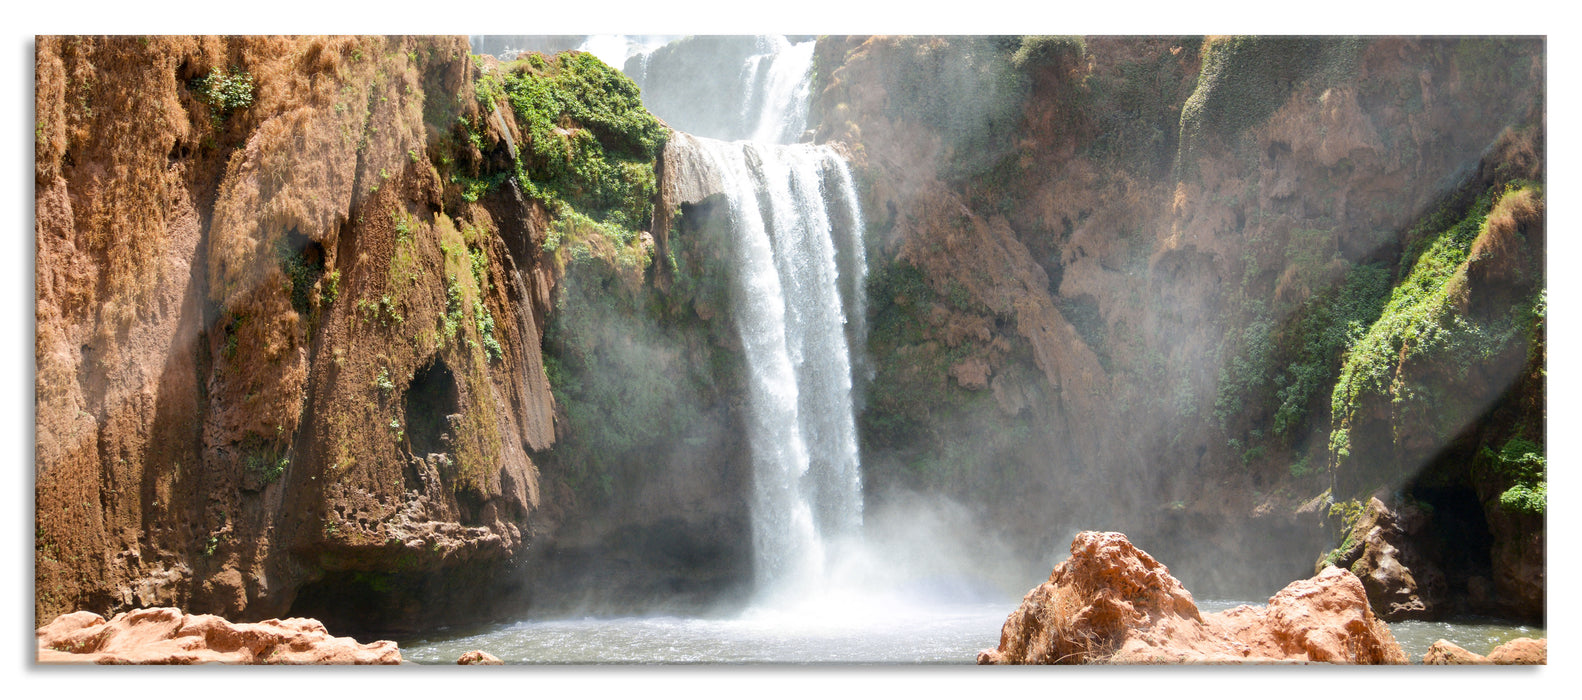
[224, 92]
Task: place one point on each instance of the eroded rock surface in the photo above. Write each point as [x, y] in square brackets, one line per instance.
[167, 636]
[1402, 582]
[1111, 602]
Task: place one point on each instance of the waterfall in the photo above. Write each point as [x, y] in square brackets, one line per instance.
[723, 87]
[777, 85]
[796, 286]
[794, 213]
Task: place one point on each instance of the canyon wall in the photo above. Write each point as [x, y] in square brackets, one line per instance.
[376, 331]
[281, 358]
[1119, 278]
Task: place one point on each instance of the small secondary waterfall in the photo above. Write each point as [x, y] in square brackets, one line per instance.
[795, 215]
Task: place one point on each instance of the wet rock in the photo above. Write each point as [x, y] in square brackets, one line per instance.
[1111, 602]
[478, 657]
[1402, 582]
[167, 636]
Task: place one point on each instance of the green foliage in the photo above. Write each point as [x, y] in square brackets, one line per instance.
[1521, 461]
[402, 223]
[1422, 318]
[628, 375]
[1137, 112]
[224, 92]
[480, 312]
[1037, 50]
[232, 330]
[909, 392]
[302, 273]
[1349, 512]
[1319, 333]
[264, 460]
[265, 469]
[590, 145]
[1244, 79]
[332, 288]
[382, 381]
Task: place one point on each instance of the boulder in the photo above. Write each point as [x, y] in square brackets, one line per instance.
[167, 636]
[1111, 602]
[1521, 651]
[1446, 653]
[479, 657]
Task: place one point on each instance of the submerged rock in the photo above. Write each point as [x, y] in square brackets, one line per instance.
[478, 657]
[1111, 602]
[167, 636]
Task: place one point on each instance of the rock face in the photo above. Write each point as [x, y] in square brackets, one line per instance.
[1111, 602]
[279, 355]
[1167, 235]
[166, 636]
[1521, 651]
[1402, 582]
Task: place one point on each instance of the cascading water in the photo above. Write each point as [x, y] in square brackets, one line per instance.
[777, 84]
[796, 286]
[788, 307]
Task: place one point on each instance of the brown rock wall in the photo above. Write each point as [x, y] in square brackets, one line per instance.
[254, 318]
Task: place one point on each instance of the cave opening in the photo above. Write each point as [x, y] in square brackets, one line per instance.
[1462, 542]
[430, 402]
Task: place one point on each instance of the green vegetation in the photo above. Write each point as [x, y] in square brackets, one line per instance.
[224, 92]
[590, 145]
[1521, 462]
[1424, 318]
[480, 313]
[1036, 50]
[1244, 79]
[302, 273]
[1137, 112]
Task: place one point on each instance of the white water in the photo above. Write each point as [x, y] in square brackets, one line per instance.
[787, 305]
[616, 49]
[777, 83]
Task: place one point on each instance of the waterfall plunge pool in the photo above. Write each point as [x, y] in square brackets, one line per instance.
[854, 630]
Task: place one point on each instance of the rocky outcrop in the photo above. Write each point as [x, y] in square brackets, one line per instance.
[1402, 582]
[1521, 651]
[276, 346]
[1111, 602]
[167, 636]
